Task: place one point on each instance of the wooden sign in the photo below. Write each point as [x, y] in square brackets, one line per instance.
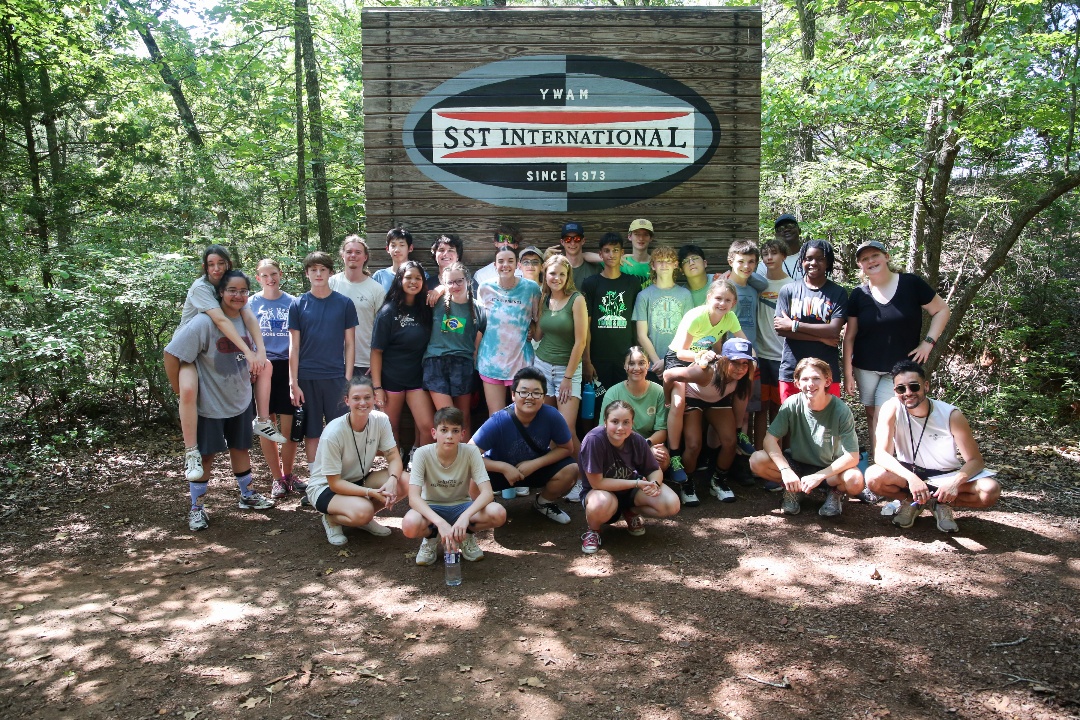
[540, 116]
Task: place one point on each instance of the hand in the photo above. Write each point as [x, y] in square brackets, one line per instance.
[657, 368]
[389, 491]
[781, 323]
[296, 395]
[660, 453]
[564, 389]
[811, 481]
[920, 493]
[947, 493]
[380, 398]
[526, 468]
[512, 474]
[792, 482]
[921, 353]
[850, 386]
[705, 358]
[458, 531]
[376, 496]
[433, 296]
[649, 488]
[831, 342]
[588, 372]
[446, 534]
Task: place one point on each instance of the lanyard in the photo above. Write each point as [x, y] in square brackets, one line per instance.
[911, 435]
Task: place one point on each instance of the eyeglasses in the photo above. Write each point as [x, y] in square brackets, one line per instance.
[572, 239]
[691, 259]
[529, 394]
[236, 292]
[911, 387]
[530, 263]
[456, 283]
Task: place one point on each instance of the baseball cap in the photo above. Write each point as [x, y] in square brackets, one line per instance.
[641, 225]
[572, 228]
[871, 244]
[738, 349]
[530, 250]
[785, 218]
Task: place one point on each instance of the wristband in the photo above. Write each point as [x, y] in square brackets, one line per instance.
[930, 340]
[377, 387]
[794, 326]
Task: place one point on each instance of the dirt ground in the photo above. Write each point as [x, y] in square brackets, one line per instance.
[111, 608]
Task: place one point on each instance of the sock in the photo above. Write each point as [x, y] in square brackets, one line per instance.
[243, 481]
[197, 490]
[433, 532]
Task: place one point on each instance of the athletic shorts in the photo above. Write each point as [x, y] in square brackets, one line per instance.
[787, 389]
[624, 499]
[496, 381]
[324, 400]
[280, 402]
[802, 469]
[875, 388]
[538, 479]
[770, 381]
[693, 403]
[449, 375]
[216, 435]
[449, 513]
[671, 360]
[357, 371]
[323, 494]
[555, 374]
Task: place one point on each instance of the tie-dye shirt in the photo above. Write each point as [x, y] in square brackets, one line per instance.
[504, 348]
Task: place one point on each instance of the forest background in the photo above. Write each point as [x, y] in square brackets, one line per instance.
[135, 132]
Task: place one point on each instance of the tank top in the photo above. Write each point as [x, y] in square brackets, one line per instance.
[936, 447]
[558, 328]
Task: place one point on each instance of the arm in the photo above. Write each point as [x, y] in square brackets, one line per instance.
[344, 487]
[417, 503]
[792, 482]
[252, 325]
[969, 450]
[435, 293]
[581, 332]
[554, 455]
[350, 351]
[827, 333]
[484, 497]
[650, 486]
[390, 488]
[758, 282]
[939, 318]
[884, 446]
[295, 393]
[376, 377]
[227, 329]
[592, 257]
[641, 330]
[849, 351]
[844, 462]
[588, 372]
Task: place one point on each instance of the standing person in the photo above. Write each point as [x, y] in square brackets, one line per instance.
[507, 236]
[639, 263]
[322, 330]
[399, 246]
[824, 450]
[693, 265]
[224, 404]
[809, 316]
[884, 326]
[562, 329]
[622, 478]
[742, 258]
[343, 487]
[659, 309]
[445, 251]
[271, 309]
[528, 444]
[718, 387]
[610, 298]
[450, 495]
[926, 456]
[450, 357]
[647, 400]
[511, 306]
[530, 263]
[201, 298]
[366, 293]
[770, 346]
[573, 244]
[401, 334]
[786, 229]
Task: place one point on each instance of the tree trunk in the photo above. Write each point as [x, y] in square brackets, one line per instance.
[318, 158]
[61, 213]
[808, 42]
[301, 160]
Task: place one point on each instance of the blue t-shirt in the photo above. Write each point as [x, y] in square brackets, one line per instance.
[322, 323]
[500, 440]
[384, 277]
[273, 317]
[746, 311]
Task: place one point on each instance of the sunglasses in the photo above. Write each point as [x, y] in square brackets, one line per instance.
[912, 387]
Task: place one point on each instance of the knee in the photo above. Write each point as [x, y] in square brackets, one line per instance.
[760, 460]
[853, 481]
[414, 525]
[728, 437]
[496, 514]
[988, 494]
[875, 478]
[692, 441]
[361, 514]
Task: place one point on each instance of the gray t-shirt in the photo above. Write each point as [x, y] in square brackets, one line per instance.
[662, 309]
[347, 453]
[367, 295]
[816, 438]
[201, 296]
[224, 378]
[447, 486]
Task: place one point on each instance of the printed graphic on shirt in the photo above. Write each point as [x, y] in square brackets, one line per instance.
[273, 321]
[813, 307]
[665, 315]
[703, 343]
[453, 324]
[768, 299]
[405, 320]
[612, 310]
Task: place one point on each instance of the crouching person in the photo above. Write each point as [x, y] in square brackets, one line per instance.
[342, 486]
[824, 449]
[622, 478]
[450, 495]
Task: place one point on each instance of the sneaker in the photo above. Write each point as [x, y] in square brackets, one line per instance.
[470, 550]
[266, 429]
[334, 532]
[287, 481]
[522, 490]
[575, 493]
[772, 486]
[304, 502]
[376, 529]
[255, 501]
[718, 487]
[943, 514]
[278, 489]
[550, 510]
[298, 485]
[791, 504]
[590, 542]
[635, 524]
[197, 519]
[834, 504]
[688, 495]
[906, 516]
[868, 496]
[429, 550]
[193, 469]
[678, 472]
[745, 444]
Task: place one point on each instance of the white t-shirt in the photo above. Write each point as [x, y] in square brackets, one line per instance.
[347, 453]
[367, 295]
[447, 486]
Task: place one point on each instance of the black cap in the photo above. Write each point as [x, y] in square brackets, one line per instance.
[572, 228]
[785, 218]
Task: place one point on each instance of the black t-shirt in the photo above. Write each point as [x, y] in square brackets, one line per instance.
[887, 333]
[610, 304]
[811, 307]
[402, 338]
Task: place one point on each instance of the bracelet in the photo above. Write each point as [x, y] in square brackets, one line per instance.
[794, 326]
[930, 340]
[376, 387]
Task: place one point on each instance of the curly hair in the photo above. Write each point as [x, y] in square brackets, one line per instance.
[395, 296]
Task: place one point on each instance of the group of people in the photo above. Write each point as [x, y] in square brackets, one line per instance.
[747, 361]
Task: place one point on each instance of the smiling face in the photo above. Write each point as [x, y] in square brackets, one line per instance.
[269, 277]
[812, 383]
[445, 255]
[530, 267]
[412, 282]
[737, 369]
[361, 401]
[814, 265]
[354, 255]
[770, 258]
[636, 366]
[555, 277]
[216, 266]
[618, 425]
[743, 265]
[640, 239]
[455, 280]
[873, 262]
[611, 254]
[910, 399]
[572, 244]
[720, 301]
[505, 263]
[789, 232]
[528, 397]
[235, 296]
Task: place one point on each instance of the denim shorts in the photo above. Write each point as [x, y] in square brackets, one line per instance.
[555, 374]
[449, 375]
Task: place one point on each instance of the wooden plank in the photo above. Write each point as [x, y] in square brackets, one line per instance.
[749, 104]
[576, 19]
[677, 37]
[685, 72]
[381, 88]
[503, 51]
[407, 174]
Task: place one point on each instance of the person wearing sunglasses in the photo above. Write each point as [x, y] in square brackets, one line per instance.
[528, 444]
[582, 264]
[926, 456]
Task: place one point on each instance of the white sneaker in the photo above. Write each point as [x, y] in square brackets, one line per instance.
[522, 490]
[575, 493]
[334, 533]
[470, 550]
[550, 510]
[376, 529]
[197, 519]
[943, 514]
[429, 550]
[193, 469]
[266, 429]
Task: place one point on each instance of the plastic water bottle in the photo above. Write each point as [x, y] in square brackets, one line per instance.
[588, 401]
[509, 493]
[452, 563]
[298, 425]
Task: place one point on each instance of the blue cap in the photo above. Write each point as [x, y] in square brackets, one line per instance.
[572, 228]
[738, 349]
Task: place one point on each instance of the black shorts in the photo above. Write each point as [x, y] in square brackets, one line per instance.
[538, 479]
[802, 469]
[216, 435]
[699, 404]
[671, 360]
[280, 402]
[624, 498]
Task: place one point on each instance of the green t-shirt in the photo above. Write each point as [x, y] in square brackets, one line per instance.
[816, 438]
[698, 295]
[630, 266]
[650, 414]
[454, 333]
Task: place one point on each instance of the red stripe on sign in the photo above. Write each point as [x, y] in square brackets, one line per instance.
[571, 152]
[554, 117]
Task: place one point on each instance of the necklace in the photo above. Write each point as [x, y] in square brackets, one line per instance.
[359, 457]
[911, 435]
